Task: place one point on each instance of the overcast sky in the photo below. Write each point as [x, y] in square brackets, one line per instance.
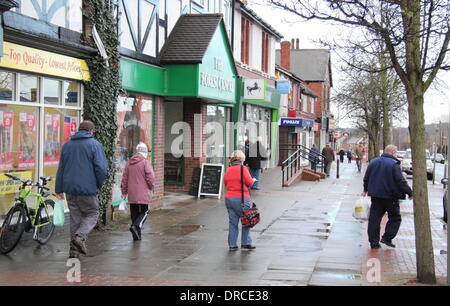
[437, 102]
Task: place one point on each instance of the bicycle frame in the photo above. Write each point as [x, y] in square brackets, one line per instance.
[24, 193]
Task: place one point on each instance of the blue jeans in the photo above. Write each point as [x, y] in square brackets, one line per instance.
[255, 173]
[234, 208]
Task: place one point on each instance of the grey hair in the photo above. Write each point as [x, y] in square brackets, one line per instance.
[390, 149]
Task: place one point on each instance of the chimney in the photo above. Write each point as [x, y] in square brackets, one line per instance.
[297, 42]
[285, 55]
[293, 43]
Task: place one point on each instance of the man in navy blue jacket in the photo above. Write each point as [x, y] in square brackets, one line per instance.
[385, 184]
[81, 173]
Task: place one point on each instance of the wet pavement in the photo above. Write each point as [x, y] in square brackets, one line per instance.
[307, 236]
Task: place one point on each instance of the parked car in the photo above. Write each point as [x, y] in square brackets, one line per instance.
[401, 154]
[406, 164]
[439, 158]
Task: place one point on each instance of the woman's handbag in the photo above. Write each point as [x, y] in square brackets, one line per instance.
[250, 217]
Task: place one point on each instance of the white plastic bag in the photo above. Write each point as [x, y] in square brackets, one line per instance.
[361, 209]
[123, 208]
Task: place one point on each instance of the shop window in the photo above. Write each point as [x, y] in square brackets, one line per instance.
[59, 125]
[51, 91]
[215, 143]
[18, 150]
[7, 80]
[28, 88]
[71, 93]
[135, 125]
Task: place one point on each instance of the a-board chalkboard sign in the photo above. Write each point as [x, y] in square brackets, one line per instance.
[211, 180]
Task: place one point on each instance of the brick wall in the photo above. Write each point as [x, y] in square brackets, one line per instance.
[158, 151]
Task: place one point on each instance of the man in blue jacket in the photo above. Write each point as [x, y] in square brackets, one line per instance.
[385, 184]
[81, 173]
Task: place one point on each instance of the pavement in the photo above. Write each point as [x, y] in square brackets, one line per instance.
[307, 237]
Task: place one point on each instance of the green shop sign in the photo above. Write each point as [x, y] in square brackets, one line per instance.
[214, 79]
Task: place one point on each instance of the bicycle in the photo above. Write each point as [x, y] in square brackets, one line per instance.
[20, 218]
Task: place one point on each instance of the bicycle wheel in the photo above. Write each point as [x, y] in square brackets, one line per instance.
[44, 226]
[12, 228]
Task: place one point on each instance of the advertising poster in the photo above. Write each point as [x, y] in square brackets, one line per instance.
[27, 141]
[8, 185]
[51, 140]
[6, 140]
[70, 127]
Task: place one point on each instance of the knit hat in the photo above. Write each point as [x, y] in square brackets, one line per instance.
[142, 149]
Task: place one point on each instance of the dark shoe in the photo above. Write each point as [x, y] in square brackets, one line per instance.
[134, 231]
[375, 246]
[234, 248]
[388, 243]
[248, 246]
[80, 245]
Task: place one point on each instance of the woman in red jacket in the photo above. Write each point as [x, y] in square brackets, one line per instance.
[233, 200]
[137, 182]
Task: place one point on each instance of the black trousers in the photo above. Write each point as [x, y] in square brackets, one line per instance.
[377, 210]
[139, 214]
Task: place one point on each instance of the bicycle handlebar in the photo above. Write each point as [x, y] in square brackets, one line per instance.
[45, 179]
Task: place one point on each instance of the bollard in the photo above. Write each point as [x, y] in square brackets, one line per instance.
[337, 169]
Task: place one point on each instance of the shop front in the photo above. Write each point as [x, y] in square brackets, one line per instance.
[41, 99]
[200, 84]
[258, 118]
[140, 113]
[295, 132]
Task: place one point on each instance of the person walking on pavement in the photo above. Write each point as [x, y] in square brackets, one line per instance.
[255, 153]
[328, 153]
[341, 155]
[237, 179]
[359, 152]
[138, 182]
[81, 172]
[385, 184]
[314, 157]
[349, 156]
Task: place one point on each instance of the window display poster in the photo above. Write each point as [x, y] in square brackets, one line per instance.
[6, 140]
[27, 140]
[51, 140]
[70, 127]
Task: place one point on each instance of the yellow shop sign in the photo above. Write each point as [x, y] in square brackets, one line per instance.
[39, 61]
[8, 185]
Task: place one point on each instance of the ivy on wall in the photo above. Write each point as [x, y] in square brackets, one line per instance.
[102, 91]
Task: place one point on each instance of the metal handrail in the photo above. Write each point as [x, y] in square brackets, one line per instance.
[294, 161]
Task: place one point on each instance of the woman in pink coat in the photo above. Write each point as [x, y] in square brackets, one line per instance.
[137, 182]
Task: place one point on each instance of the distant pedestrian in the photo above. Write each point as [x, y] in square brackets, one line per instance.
[255, 153]
[314, 157]
[138, 182]
[341, 155]
[328, 153]
[359, 152]
[349, 156]
[385, 184]
[81, 173]
[237, 181]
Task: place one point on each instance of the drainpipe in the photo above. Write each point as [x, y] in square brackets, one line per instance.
[233, 3]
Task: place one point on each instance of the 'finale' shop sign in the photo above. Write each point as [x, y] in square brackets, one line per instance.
[34, 60]
[296, 122]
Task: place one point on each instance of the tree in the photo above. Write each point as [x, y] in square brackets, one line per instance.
[364, 97]
[416, 34]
